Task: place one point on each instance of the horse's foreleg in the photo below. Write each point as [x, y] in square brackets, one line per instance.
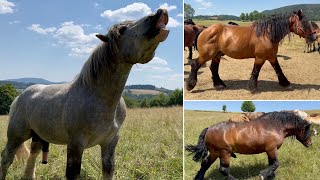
[74, 156]
[107, 156]
[253, 82]
[192, 79]
[273, 165]
[205, 166]
[214, 67]
[224, 165]
[190, 52]
[29, 171]
[283, 81]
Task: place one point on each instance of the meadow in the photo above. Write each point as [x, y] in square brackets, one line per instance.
[150, 147]
[296, 161]
[301, 69]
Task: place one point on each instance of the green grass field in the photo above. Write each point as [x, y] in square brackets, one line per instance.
[296, 161]
[150, 147]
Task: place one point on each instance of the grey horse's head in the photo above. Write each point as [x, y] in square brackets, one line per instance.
[138, 40]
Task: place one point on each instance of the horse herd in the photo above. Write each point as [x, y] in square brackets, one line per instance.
[260, 40]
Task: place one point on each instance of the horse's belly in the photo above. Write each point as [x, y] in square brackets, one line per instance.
[249, 148]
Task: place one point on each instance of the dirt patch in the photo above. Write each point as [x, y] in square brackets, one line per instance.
[301, 69]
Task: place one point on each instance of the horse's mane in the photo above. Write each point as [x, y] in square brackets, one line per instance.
[103, 59]
[283, 119]
[276, 26]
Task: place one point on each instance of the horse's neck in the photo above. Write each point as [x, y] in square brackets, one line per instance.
[111, 86]
[290, 131]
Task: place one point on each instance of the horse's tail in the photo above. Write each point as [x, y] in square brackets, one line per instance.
[22, 152]
[199, 150]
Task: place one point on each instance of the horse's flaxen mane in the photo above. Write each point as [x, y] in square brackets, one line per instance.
[276, 26]
[283, 119]
[105, 57]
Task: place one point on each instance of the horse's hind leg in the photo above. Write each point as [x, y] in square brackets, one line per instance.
[205, 166]
[107, 156]
[283, 81]
[29, 171]
[214, 67]
[253, 82]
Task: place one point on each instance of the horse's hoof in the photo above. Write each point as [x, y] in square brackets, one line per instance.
[219, 87]
[191, 84]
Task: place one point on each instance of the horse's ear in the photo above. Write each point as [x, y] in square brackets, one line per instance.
[103, 38]
[300, 14]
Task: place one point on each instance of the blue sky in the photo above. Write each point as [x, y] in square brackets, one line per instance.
[53, 39]
[236, 7]
[263, 106]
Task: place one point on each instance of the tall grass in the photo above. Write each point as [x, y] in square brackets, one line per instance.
[150, 147]
[296, 161]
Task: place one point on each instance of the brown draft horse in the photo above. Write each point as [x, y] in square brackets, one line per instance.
[259, 41]
[264, 134]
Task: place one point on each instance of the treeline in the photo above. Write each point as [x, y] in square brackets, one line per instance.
[252, 16]
[160, 100]
[217, 17]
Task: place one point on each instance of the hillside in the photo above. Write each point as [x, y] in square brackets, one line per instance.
[312, 11]
[32, 81]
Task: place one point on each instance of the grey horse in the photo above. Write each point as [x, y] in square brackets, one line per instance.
[89, 110]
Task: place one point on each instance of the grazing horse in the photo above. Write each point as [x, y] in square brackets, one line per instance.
[310, 43]
[239, 118]
[259, 41]
[264, 134]
[189, 21]
[89, 110]
[253, 115]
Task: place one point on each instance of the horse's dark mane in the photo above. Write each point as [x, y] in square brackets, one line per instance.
[276, 26]
[104, 58]
[281, 119]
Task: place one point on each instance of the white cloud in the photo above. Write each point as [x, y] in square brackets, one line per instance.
[180, 15]
[167, 7]
[205, 4]
[173, 23]
[175, 77]
[156, 65]
[6, 7]
[38, 29]
[14, 22]
[70, 36]
[130, 12]
[158, 61]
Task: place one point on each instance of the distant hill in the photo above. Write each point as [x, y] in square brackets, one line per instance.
[32, 81]
[312, 11]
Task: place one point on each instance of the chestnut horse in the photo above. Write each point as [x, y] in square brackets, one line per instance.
[264, 134]
[259, 41]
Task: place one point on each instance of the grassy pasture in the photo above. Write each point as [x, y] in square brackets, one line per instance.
[150, 147]
[296, 161]
[144, 91]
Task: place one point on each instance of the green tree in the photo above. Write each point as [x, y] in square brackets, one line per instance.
[188, 11]
[248, 106]
[247, 17]
[160, 100]
[176, 98]
[242, 17]
[144, 103]
[7, 95]
[224, 108]
[130, 103]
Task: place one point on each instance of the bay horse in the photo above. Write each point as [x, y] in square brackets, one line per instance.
[191, 33]
[259, 41]
[264, 134]
[88, 111]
